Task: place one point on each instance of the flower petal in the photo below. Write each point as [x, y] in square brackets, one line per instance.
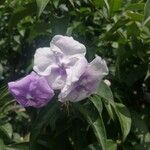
[99, 65]
[44, 58]
[32, 90]
[67, 45]
[57, 78]
[76, 69]
[87, 81]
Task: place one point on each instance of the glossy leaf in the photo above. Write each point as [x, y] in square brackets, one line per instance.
[109, 110]
[104, 91]
[121, 111]
[41, 4]
[97, 103]
[124, 119]
[96, 124]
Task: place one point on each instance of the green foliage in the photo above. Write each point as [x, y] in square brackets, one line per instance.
[97, 124]
[41, 4]
[147, 11]
[116, 117]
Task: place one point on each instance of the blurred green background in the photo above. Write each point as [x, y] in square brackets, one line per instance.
[117, 30]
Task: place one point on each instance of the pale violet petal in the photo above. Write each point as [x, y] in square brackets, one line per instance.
[57, 78]
[77, 69]
[67, 45]
[87, 82]
[32, 90]
[99, 65]
[43, 59]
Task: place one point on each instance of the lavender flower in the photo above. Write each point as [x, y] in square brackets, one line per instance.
[65, 67]
[56, 62]
[32, 90]
[87, 83]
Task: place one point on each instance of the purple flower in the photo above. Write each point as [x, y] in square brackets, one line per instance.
[87, 83]
[32, 90]
[65, 67]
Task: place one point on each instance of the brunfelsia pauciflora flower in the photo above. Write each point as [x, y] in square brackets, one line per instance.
[63, 67]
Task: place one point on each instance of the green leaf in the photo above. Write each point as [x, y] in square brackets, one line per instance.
[97, 103]
[2, 146]
[109, 110]
[1, 70]
[41, 4]
[111, 145]
[7, 130]
[18, 146]
[98, 3]
[121, 111]
[147, 74]
[56, 3]
[71, 2]
[28, 10]
[147, 11]
[135, 6]
[96, 124]
[94, 146]
[124, 119]
[134, 16]
[104, 91]
[40, 28]
[121, 22]
[107, 5]
[42, 120]
[58, 22]
[115, 5]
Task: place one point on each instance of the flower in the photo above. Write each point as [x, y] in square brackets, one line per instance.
[32, 90]
[87, 83]
[56, 62]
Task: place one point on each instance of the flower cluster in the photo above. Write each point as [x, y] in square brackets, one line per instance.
[63, 67]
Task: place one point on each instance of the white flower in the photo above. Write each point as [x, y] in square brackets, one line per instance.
[60, 61]
[65, 67]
